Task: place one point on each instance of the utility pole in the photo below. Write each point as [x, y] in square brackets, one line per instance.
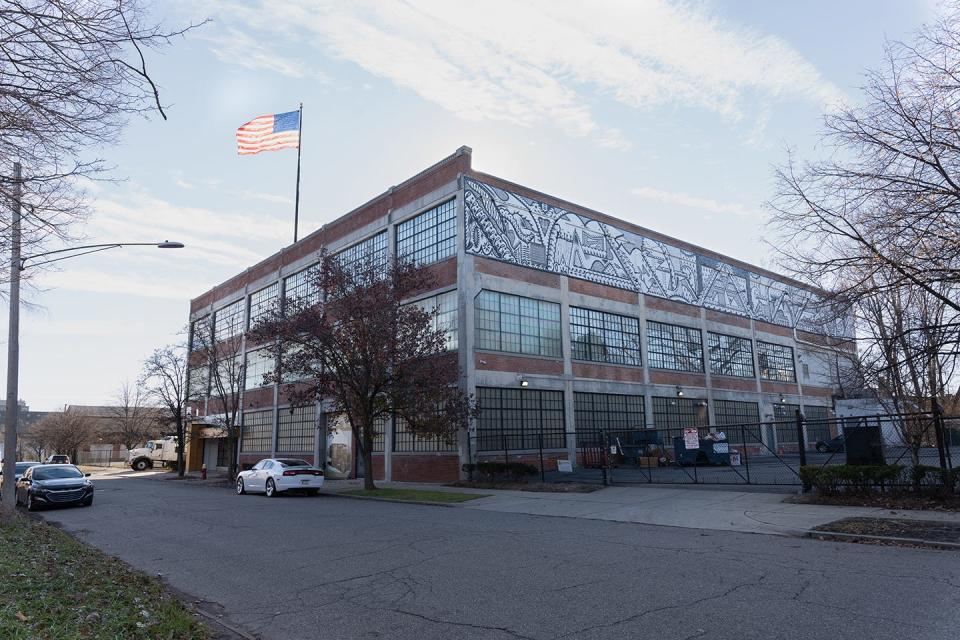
[11, 417]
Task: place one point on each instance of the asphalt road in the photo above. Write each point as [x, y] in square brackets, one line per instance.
[336, 568]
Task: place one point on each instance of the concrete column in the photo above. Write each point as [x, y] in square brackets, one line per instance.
[569, 415]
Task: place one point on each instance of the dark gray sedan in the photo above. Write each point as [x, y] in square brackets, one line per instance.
[20, 468]
[45, 485]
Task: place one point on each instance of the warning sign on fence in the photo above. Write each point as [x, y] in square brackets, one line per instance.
[691, 438]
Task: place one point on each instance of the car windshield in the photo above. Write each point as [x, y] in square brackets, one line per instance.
[293, 463]
[23, 466]
[55, 473]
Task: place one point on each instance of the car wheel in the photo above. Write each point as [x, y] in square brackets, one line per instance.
[240, 488]
[312, 492]
[87, 502]
[31, 505]
[140, 465]
[271, 488]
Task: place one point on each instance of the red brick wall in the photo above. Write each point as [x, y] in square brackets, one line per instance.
[733, 384]
[520, 364]
[778, 387]
[661, 304]
[602, 291]
[728, 318]
[425, 468]
[513, 272]
[775, 329]
[675, 377]
[549, 459]
[607, 372]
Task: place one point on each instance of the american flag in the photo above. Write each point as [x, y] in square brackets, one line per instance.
[269, 133]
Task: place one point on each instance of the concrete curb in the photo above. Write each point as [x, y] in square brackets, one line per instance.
[337, 494]
[857, 537]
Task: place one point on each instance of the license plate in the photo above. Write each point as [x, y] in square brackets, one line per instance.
[307, 481]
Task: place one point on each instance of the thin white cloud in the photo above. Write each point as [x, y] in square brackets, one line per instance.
[695, 202]
[534, 62]
[237, 47]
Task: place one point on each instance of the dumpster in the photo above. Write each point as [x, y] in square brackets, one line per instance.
[709, 452]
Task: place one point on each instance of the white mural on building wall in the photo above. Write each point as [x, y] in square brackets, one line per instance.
[506, 226]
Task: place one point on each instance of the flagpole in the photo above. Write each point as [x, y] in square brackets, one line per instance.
[296, 205]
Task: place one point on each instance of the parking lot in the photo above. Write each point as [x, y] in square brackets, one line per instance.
[298, 567]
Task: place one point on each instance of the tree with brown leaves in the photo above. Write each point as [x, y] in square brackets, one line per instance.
[363, 351]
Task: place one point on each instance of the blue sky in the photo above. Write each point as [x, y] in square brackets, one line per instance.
[670, 115]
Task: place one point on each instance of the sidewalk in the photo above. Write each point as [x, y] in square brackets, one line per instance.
[750, 512]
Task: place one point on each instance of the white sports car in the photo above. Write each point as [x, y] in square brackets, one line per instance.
[276, 475]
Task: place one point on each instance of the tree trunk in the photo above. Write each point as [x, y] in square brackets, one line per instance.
[181, 445]
[367, 452]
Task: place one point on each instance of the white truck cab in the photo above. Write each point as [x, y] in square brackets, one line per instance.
[162, 452]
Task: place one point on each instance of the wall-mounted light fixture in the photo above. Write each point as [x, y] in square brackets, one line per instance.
[679, 391]
[782, 399]
[523, 381]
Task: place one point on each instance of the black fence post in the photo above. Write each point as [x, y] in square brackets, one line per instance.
[605, 457]
[802, 447]
[540, 441]
[938, 432]
[746, 456]
[503, 439]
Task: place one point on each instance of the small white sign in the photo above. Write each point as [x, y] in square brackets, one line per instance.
[564, 466]
[691, 438]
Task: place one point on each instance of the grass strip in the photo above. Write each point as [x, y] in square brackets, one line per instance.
[55, 588]
[416, 495]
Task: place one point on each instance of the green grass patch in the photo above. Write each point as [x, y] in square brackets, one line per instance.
[55, 588]
[418, 495]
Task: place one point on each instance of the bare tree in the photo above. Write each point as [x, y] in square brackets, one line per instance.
[876, 222]
[224, 362]
[164, 380]
[889, 197]
[71, 74]
[66, 431]
[366, 353]
[134, 421]
[35, 439]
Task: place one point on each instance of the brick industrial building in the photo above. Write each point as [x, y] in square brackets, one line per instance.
[563, 319]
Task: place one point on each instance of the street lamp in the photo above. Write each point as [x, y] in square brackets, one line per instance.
[18, 263]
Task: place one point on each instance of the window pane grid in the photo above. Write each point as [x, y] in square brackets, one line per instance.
[405, 440]
[676, 413]
[734, 412]
[430, 236]
[594, 413]
[374, 248]
[295, 433]
[446, 317]
[785, 415]
[514, 419]
[818, 423]
[257, 431]
[261, 302]
[517, 325]
[604, 337]
[228, 321]
[674, 347]
[200, 334]
[260, 362]
[730, 355]
[303, 286]
[776, 362]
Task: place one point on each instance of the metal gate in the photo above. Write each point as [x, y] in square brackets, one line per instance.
[763, 453]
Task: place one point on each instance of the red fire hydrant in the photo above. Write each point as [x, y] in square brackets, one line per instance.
[203, 471]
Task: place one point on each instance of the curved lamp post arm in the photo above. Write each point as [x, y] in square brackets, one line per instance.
[94, 248]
